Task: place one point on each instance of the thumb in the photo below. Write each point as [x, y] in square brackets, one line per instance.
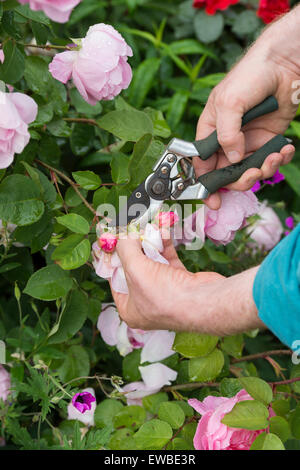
[230, 136]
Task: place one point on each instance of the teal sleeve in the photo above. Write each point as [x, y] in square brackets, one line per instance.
[276, 289]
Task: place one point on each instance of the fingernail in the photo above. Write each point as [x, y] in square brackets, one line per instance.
[234, 156]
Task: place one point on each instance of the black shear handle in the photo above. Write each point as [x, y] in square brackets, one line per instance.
[217, 179]
[207, 147]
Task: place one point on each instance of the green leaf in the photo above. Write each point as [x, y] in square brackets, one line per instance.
[295, 372]
[205, 369]
[75, 223]
[36, 235]
[128, 125]
[119, 168]
[161, 127]
[82, 106]
[194, 344]
[245, 23]
[257, 388]
[122, 440]
[73, 252]
[49, 283]
[292, 176]
[82, 139]
[208, 28]
[230, 387]
[142, 81]
[106, 411]
[59, 128]
[71, 197]
[152, 402]
[190, 46]
[267, 441]
[295, 423]
[130, 366]
[72, 318]
[218, 256]
[145, 154]
[87, 179]
[76, 364]
[248, 414]
[172, 414]
[233, 345]
[131, 417]
[38, 16]
[280, 427]
[177, 107]
[19, 200]
[37, 75]
[153, 435]
[12, 69]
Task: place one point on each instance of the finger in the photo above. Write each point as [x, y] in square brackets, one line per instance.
[121, 300]
[213, 201]
[171, 255]
[229, 122]
[206, 125]
[130, 252]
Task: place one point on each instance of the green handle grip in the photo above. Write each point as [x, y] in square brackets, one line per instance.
[217, 179]
[207, 147]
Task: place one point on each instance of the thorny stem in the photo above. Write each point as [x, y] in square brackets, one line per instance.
[83, 120]
[190, 420]
[71, 183]
[49, 47]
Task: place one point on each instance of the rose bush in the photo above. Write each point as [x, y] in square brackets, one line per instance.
[79, 129]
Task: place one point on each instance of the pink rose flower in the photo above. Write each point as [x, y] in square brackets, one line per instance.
[155, 376]
[86, 417]
[108, 242]
[99, 67]
[155, 345]
[211, 433]
[16, 112]
[109, 266]
[221, 225]
[166, 219]
[5, 383]
[267, 231]
[57, 10]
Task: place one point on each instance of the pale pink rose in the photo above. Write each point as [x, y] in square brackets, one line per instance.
[57, 10]
[5, 383]
[267, 231]
[193, 227]
[99, 67]
[108, 242]
[155, 376]
[88, 416]
[221, 225]
[211, 433]
[156, 345]
[16, 112]
[108, 265]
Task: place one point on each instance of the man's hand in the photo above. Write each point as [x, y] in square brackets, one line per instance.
[269, 68]
[170, 297]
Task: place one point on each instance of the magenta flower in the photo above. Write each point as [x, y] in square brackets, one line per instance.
[83, 401]
[277, 178]
[256, 187]
[290, 223]
[166, 219]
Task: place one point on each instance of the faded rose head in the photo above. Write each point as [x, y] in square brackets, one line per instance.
[5, 383]
[16, 112]
[99, 68]
[211, 433]
[57, 10]
[267, 231]
[108, 242]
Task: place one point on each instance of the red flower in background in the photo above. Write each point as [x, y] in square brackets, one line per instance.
[270, 9]
[211, 6]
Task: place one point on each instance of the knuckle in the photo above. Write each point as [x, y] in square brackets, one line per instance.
[226, 137]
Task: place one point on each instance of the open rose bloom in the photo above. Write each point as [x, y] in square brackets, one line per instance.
[57, 10]
[211, 433]
[99, 67]
[16, 112]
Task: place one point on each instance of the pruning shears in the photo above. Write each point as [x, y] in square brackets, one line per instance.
[173, 176]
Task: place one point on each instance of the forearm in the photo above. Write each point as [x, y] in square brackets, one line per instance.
[225, 307]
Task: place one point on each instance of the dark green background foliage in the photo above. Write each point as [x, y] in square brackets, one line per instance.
[50, 297]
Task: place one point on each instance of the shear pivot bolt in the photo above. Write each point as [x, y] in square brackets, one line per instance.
[171, 158]
[164, 170]
[158, 187]
[180, 186]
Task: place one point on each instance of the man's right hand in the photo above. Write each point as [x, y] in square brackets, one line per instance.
[270, 67]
